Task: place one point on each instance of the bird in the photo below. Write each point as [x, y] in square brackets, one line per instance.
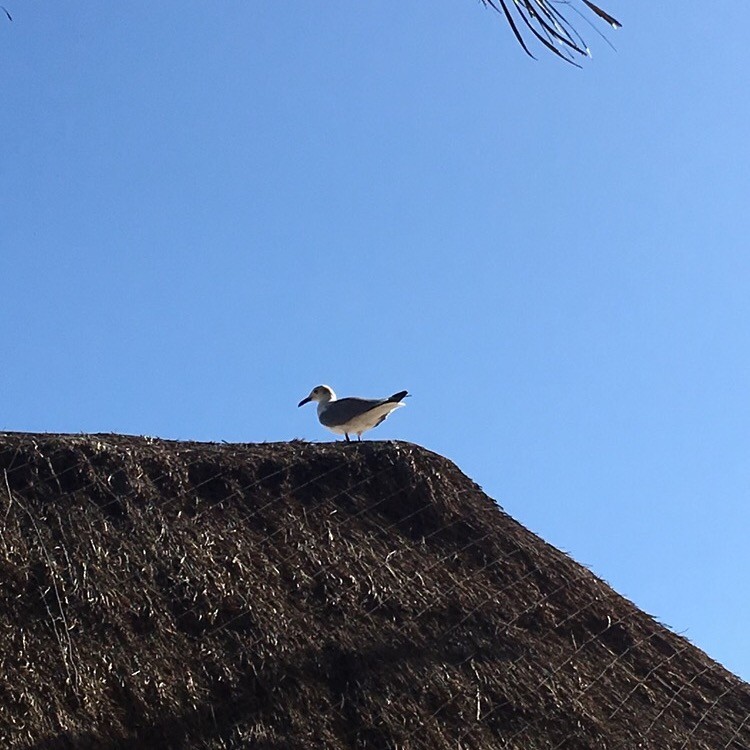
[351, 415]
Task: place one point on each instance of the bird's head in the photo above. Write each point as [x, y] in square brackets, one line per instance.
[321, 393]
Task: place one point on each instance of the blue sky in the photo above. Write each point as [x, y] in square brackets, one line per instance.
[207, 210]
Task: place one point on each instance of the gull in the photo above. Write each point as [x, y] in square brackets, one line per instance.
[355, 415]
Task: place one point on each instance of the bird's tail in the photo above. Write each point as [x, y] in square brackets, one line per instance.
[396, 397]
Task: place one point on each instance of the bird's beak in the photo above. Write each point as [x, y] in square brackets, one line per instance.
[304, 401]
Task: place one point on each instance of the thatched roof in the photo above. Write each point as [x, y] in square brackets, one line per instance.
[365, 595]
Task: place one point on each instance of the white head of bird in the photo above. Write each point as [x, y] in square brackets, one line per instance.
[321, 393]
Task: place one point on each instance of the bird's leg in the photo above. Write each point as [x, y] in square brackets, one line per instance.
[359, 437]
[346, 435]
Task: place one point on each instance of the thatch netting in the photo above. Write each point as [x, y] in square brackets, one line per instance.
[182, 595]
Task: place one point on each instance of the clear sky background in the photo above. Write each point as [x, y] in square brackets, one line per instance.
[207, 209]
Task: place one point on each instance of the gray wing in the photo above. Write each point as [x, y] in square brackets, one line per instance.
[344, 410]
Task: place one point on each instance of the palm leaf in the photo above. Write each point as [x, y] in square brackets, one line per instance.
[546, 20]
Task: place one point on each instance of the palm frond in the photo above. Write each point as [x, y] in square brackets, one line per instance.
[546, 20]
[613, 22]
